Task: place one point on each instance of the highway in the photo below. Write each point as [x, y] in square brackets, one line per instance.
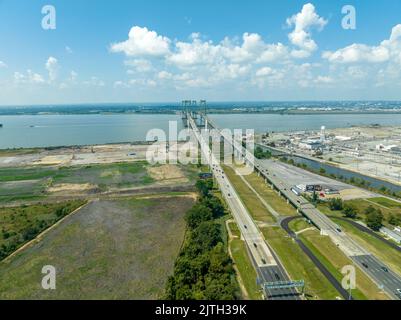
[335, 283]
[266, 264]
[370, 265]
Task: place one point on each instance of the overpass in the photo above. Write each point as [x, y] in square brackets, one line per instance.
[377, 271]
[271, 274]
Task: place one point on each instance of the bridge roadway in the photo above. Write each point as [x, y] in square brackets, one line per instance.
[376, 270]
[264, 260]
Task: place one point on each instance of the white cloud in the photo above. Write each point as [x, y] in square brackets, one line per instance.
[29, 77]
[139, 65]
[164, 75]
[387, 50]
[193, 53]
[52, 67]
[120, 84]
[356, 53]
[68, 49]
[303, 22]
[249, 63]
[94, 82]
[73, 76]
[3, 64]
[143, 42]
[323, 80]
[265, 71]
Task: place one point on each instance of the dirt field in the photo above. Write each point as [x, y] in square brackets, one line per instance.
[72, 188]
[167, 174]
[108, 250]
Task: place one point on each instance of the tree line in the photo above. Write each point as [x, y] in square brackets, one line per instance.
[373, 217]
[203, 269]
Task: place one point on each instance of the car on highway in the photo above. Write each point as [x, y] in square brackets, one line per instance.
[384, 269]
[398, 292]
[245, 227]
[264, 261]
[365, 265]
[339, 230]
[255, 245]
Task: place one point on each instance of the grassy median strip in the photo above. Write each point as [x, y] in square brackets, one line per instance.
[384, 252]
[248, 197]
[299, 225]
[299, 266]
[271, 196]
[334, 260]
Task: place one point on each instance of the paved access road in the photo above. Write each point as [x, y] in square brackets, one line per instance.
[285, 225]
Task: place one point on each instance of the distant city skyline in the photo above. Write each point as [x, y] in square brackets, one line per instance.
[158, 51]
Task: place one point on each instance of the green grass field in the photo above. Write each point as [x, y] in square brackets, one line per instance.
[111, 174]
[121, 249]
[299, 266]
[271, 196]
[32, 183]
[248, 197]
[245, 268]
[334, 260]
[234, 229]
[384, 252]
[391, 204]
[299, 224]
[19, 225]
[386, 206]
[22, 190]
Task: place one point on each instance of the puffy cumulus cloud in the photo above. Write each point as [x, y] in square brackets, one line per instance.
[253, 48]
[52, 67]
[164, 75]
[197, 52]
[357, 53]
[143, 42]
[387, 50]
[301, 37]
[2, 64]
[249, 62]
[263, 72]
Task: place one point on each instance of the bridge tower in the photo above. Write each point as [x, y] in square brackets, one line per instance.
[202, 113]
[185, 109]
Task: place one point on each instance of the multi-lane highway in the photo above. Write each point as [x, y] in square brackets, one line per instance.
[387, 280]
[268, 268]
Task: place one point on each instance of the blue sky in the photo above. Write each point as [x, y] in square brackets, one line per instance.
[215, 50]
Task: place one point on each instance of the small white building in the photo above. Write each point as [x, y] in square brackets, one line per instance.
[310, 145]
